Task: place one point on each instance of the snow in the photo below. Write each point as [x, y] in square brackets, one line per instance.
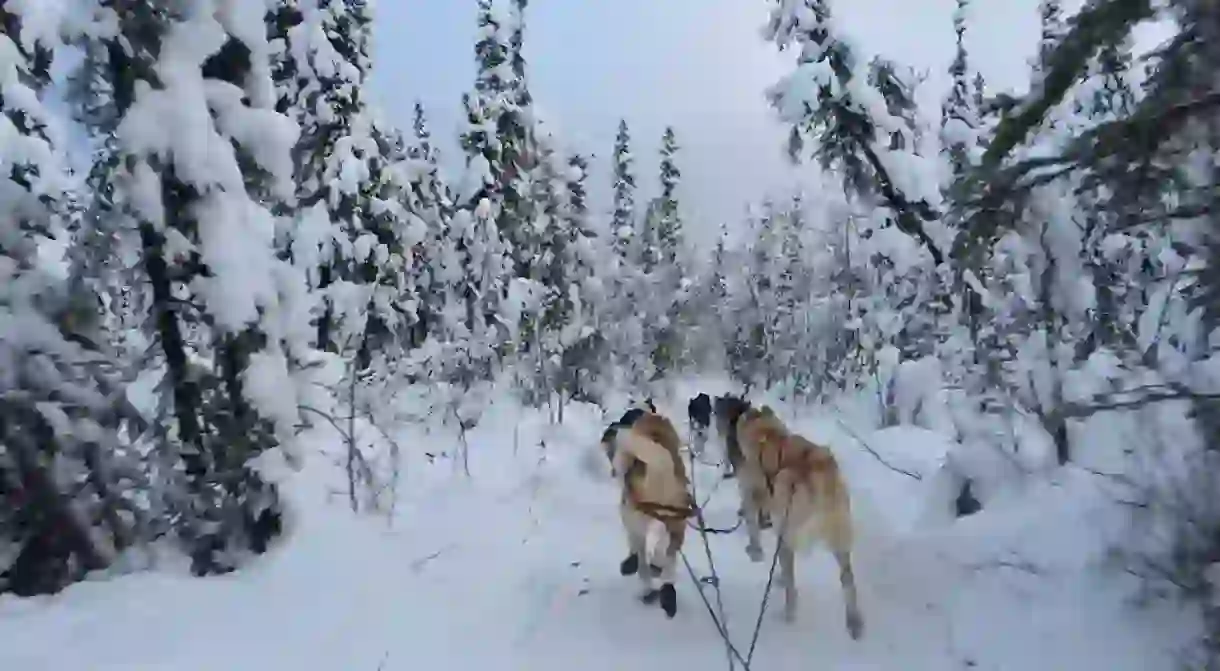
[41, 20]
[958, 133]
[516, 568]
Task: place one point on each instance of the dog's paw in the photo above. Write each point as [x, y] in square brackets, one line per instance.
[754, 552]
[855, 626]
[630, 565]
[669, 600]
[650, 596]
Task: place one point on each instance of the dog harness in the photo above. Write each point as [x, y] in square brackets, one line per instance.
[660, 511]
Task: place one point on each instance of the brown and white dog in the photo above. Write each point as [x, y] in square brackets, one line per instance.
[799, 484]
[643, 448]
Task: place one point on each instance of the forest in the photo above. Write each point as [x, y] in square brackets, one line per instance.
[213, 242]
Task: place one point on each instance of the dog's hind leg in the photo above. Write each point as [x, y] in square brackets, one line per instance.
[676, 530]
[732, 454]
[752, 505]
[838, 534]
[636, 526]
[851, 603]
[787, 567]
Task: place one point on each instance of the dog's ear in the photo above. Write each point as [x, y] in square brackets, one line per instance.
[607, 441]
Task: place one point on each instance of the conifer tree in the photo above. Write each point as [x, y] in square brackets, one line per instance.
[209, 256]
[351, 232]
[57, 381]
[669, 218]
[1050, 15]
[483, 260]
[623, 219]
[434, 207]
[959, 113]
[848, 139]
[519, 154]
[664, 261]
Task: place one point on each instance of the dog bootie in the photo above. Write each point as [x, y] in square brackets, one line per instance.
[630, 565]
[669, 600]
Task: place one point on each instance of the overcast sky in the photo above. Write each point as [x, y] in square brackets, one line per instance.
[700, 65]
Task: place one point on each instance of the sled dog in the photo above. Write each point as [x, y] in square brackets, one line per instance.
[799, 485]
[699, 418]
[644, 453]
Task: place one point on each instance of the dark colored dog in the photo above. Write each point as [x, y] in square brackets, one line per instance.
[727, 410]
[699, 411]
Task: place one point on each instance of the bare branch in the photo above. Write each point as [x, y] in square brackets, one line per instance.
[1142, 396]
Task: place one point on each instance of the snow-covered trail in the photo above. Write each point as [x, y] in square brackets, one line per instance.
[517, 568]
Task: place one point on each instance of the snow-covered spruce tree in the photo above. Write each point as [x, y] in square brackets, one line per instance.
[773, 306]
[1050, 14]
[104, 250]
[60, 408]
[795, 360]
[474, 236]
[764, 255]
[1105, 96]
[516, 130]
[623, 218]
[352, 228]
[434, 205]
[423, 150]
[517, 55]
[475, 262]
[859, 116]
[482, 252]
[744, 327]
[844, 107]
[961, 139]
[353, 233]
[195, 78]
[533, 308]
[576, 288]
[667, 272]
[1054, 235]
[626, 310]
[1141, 171]
[547, 309]
[959, 123]
[393, 258]
[669, 216]
[705, 307]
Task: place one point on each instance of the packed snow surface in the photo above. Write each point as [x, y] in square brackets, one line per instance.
[516, 567]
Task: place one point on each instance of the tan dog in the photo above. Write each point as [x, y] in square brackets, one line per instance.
[643, 449]
[799, 484]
